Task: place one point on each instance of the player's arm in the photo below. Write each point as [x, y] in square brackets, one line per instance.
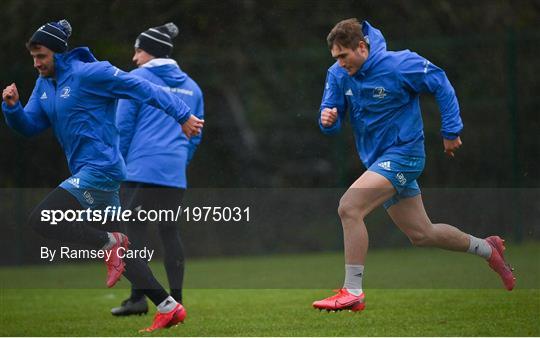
[333, 106]
[127, 112]
[115, 83]
[28, 121]
[421, 76]
[198, 111]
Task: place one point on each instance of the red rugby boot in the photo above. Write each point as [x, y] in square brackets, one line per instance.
[498, 264]
[166, 320]
[342, 300]
[115, 264]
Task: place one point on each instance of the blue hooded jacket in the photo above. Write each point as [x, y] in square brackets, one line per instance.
[80, 105]
[383, 100]
[152, 143]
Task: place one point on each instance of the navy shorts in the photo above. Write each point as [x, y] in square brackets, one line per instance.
[402, 171]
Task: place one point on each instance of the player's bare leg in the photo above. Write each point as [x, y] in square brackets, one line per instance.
[368, 192]
[411, 217]
[365, 194]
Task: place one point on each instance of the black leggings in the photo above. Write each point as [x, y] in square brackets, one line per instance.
[156, 197]
[137, 271]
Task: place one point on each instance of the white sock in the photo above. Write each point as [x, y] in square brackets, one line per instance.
[353, 278]
[479, 247]
[111, 242]
[167, 305]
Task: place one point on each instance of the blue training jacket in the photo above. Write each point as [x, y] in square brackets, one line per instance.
[80, 105]
[383, 100]
[153, 144]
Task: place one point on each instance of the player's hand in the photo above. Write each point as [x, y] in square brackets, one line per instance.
[450, 146]
[328, 116]
[193, 126]
[10, 95]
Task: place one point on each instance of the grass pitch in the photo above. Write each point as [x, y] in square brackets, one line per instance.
[410, 292]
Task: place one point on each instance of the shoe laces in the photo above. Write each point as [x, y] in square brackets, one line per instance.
[112, 265]
[340, 292]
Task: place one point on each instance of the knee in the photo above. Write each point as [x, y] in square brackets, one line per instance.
[348, 210]
[420, 238]
[170, 238]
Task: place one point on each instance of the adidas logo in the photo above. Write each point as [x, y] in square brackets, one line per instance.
[385, 165]
[43, 96]
[348, 92]
[74, 181]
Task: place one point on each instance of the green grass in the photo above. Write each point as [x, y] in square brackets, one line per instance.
[410, 292]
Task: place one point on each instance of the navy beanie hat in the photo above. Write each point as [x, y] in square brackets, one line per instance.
[53, 35]
[157, 41]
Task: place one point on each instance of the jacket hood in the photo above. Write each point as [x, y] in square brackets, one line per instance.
[167, 70]
[377, 46]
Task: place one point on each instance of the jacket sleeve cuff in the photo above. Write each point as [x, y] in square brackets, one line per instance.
[10, 110]
[329, 130]
[183, 119]
[449, 136]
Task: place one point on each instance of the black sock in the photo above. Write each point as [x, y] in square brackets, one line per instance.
[174, 258]
[136, 294]
[142, 279]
